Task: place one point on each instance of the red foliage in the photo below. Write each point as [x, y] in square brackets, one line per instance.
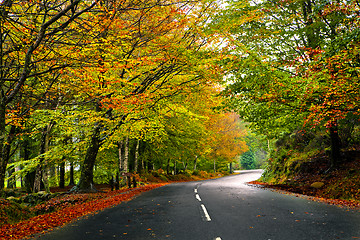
[67, 213]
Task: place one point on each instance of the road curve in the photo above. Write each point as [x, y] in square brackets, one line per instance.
[219, 209]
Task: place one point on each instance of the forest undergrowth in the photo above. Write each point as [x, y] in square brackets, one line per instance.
[339, 186]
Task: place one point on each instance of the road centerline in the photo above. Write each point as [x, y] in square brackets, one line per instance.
[198, 197]
[207, 216]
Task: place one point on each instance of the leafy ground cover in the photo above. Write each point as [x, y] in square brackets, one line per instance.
[338, 187]
[24, 215]
[64, 209]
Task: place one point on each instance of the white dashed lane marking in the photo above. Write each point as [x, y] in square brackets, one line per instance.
[198, 197]
[207, 217]
[206, 214]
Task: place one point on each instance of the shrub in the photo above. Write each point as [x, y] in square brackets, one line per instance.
[155, 173]
[187, 173]
[11, 212]
[160, 171]
[163, 178]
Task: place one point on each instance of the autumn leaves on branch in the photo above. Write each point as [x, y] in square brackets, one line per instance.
[296, 65]
[78, 77]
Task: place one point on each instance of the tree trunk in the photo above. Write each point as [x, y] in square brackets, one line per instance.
[22, 182]
[11, 180]
[53, 171]
[71, 174]
[185, 164]
[150, 165]
[62, 174]
[38, 177]
[142, 165]
[168, 166]
[5, 152]
[120, 157]
[126, 162]
[45, 168]
[126, 155]
[121, 162]
[39, 168]
[29, 176]
[4, 156]
[175, 167]
[87, 168]
[117, 179]
[195, 162]
[311, 35]
[3, 159]
[136, 161]
[41, 174]
[335, 157]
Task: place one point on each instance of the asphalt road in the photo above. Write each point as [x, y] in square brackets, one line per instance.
[220, 209]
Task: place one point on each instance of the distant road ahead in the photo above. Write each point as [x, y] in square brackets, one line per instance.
[220, 209]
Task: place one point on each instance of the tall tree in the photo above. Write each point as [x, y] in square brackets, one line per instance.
[148, 53]
[278, 49]
[29, 32]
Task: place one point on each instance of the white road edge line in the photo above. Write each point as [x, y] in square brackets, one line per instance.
[198, 197]
[208, 219]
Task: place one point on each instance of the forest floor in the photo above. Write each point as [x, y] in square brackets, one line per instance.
[340, 186]
[22, 215]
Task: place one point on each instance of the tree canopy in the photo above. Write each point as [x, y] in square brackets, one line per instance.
[137, 86]
[293, 65]
[87, 84]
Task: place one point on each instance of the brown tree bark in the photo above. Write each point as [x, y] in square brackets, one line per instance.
[136, 161]
[85, 183]
[41, 175]
[11, 183]
[62, 175]
[120, 156]
[335, 157]
[71, 174]
[126, 155]
[195, 162]
[5, 148]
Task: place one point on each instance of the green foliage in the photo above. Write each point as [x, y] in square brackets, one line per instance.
[283, 68]
[247, 160]
[158, 88]
[291, 153]
[163, 178]
[102, 176]
[291, 66]
[257, 155]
